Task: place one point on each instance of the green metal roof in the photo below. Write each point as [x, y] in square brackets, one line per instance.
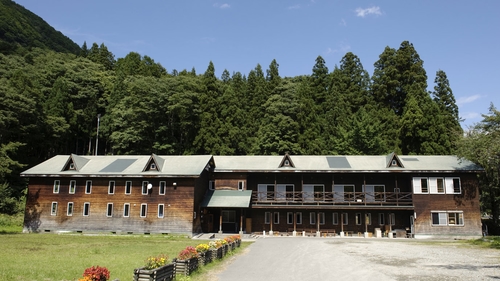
[227, 199]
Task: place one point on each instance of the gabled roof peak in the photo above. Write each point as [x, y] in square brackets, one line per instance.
[286, 162]
[393, 161]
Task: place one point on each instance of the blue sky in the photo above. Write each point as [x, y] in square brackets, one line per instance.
[461, 38]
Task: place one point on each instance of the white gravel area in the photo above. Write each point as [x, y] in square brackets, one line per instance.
[306, 258]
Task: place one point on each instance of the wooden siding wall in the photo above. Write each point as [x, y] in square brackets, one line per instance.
[467, 202]
[178, 206]
[229, 181]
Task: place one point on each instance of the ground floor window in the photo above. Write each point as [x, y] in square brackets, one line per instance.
[358, 218]
[443, 218]
[144, 210]
[267, 217]
[345, 218]
[312, 218]
[392, 219]
[381, 218]
[53, 210]
[109, 210]
[298, 218]
[368, 219]
[126, 210]
[276, 218]
[86, 209]
[161, 209]
[69, 212]
[289, 218]
[321, 218]
[335, 218]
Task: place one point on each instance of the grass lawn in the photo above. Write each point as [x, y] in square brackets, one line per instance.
[65, 256]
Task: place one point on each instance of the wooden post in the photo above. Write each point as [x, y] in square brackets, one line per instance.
[220, 222]
[294, 224]
[241, 221]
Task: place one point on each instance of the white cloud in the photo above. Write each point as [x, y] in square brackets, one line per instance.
[294, 7]
[222, 6]
[368, 11]
[468, 99]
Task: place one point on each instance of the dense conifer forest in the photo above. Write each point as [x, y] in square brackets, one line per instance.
[53, 96]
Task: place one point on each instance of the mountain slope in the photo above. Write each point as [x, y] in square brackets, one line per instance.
[20, 27]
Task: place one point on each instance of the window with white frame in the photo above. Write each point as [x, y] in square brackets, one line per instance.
[126, 210]
[72, 186]
[241, 185]
[57, 185]
[312, 218]
[111, 187]
[444, 218]
[86, 209]
[437, 185]
[53, 209]
[381, 218]
[163, 187]
[144, 210]
[265, 192]
[88, 187]
[358, 218]
[298, 217]
[211, 185]
[374, 193]
[276, 218]
[284, 192]
[392, 219]
[335, 220]
[345, 218]
[343, 193]
[69, 211]
[145, 187]
[313, 192]
[321, 218]
[109, 210]
[267, 217]
[289, 217]
[368, 218]
[128, 187]
[161, 210]
[453, 185]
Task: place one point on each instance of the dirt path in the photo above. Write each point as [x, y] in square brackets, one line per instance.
[301, 258]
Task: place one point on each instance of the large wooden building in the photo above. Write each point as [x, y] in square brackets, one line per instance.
[416, 196]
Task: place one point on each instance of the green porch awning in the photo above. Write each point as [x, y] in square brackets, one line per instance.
[227, 199]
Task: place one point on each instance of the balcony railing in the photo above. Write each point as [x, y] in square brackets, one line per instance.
[332, 198]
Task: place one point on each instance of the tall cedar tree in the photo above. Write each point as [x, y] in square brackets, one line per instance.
[208, 140]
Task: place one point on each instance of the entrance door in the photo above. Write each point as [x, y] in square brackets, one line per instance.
[229, 221]
[210, 223]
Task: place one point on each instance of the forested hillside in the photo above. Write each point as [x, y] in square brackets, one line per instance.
[51, 95]
[21, 28]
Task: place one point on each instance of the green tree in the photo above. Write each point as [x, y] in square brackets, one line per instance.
[481, 145]
[449, 119]
[208, 140]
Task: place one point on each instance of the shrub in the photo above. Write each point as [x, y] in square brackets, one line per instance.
[188, 253]
[156, 261]
[95, 273]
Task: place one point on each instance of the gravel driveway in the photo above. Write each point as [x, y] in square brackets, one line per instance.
[305, 258]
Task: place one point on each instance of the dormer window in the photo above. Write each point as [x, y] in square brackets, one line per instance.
[153, 166]
[287, 163]
[71, 166]
[394, 162]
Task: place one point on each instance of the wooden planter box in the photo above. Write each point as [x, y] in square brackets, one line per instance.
[216, 253]
[205, 258]
[186, 267]
[164, 273]
[238, 242]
